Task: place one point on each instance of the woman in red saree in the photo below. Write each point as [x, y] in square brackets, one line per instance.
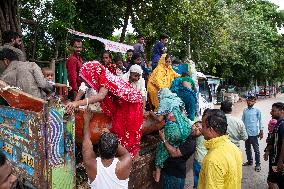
[119, 100]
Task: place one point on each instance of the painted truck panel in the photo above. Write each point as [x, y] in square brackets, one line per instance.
[41, 152]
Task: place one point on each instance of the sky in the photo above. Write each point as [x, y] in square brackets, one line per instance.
[129, 29]
[280, 3]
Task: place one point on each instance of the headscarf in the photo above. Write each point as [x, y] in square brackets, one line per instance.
[187, 95]
[272, 123]
[168, 101]
[97, 76]
[140, 84]
[136, 68]
[162, 75]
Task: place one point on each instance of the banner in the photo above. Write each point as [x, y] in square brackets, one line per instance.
[109, 45]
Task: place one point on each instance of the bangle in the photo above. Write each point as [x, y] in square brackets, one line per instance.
[87, 102]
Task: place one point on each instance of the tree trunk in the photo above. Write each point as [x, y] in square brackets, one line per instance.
[128, 11]
[9, 17]
[133, 21]
[35, 41]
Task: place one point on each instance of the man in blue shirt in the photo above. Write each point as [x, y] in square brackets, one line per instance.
[254, 127]
[159, 49]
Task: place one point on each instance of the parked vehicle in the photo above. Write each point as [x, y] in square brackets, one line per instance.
[39, 141]
[204, 95]
[264, 91]
[232, 89]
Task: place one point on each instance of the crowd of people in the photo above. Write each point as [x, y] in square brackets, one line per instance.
[122, 90]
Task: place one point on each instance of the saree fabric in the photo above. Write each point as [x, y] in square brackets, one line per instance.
[161, 77]
[187, 95]
[111, 67]
[123, 104]
[176, 132]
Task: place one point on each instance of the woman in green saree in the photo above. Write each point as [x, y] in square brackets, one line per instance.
[176, 129]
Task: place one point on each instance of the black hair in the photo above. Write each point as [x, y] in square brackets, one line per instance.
[134, 57]
[226, 106]
[140, 36]
[9, 54]
[251, 97]
[118, 58]
[108, 145]
[177, 61]
[279, 105]
[168, 56]
[198, 122]
[2, 159]
[185, 74]
[216, 119]
[206, 112]
[164, 36]
[129, 50]
[75, 40]
[7, 36]
[107, 52]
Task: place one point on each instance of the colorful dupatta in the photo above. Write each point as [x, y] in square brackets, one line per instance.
[176, 132]
[123, 103]
[188, 96]
[161, 77]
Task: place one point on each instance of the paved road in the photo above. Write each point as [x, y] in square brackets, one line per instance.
[251, 178]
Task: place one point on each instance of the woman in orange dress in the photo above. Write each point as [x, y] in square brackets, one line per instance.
[162, 77]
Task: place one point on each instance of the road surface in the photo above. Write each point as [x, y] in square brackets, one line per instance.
[251, 178]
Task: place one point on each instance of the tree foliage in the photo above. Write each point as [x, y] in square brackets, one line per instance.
[236, 40]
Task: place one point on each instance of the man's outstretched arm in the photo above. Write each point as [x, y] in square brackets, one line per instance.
[89, 156]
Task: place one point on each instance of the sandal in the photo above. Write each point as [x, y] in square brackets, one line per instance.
[247, 164]
[257, 168]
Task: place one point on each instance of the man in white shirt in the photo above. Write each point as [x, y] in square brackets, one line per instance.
[106, 171]
[236, 127]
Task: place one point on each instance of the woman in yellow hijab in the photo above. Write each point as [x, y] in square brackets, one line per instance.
[161, 77]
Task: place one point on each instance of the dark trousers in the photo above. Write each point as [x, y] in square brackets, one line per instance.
[171, 182]
[252, 140]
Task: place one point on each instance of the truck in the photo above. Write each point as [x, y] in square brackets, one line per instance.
[43, 143]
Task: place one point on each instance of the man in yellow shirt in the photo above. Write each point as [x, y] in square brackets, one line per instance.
[222, 166]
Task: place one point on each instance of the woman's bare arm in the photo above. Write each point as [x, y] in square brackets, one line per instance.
[93, 99]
